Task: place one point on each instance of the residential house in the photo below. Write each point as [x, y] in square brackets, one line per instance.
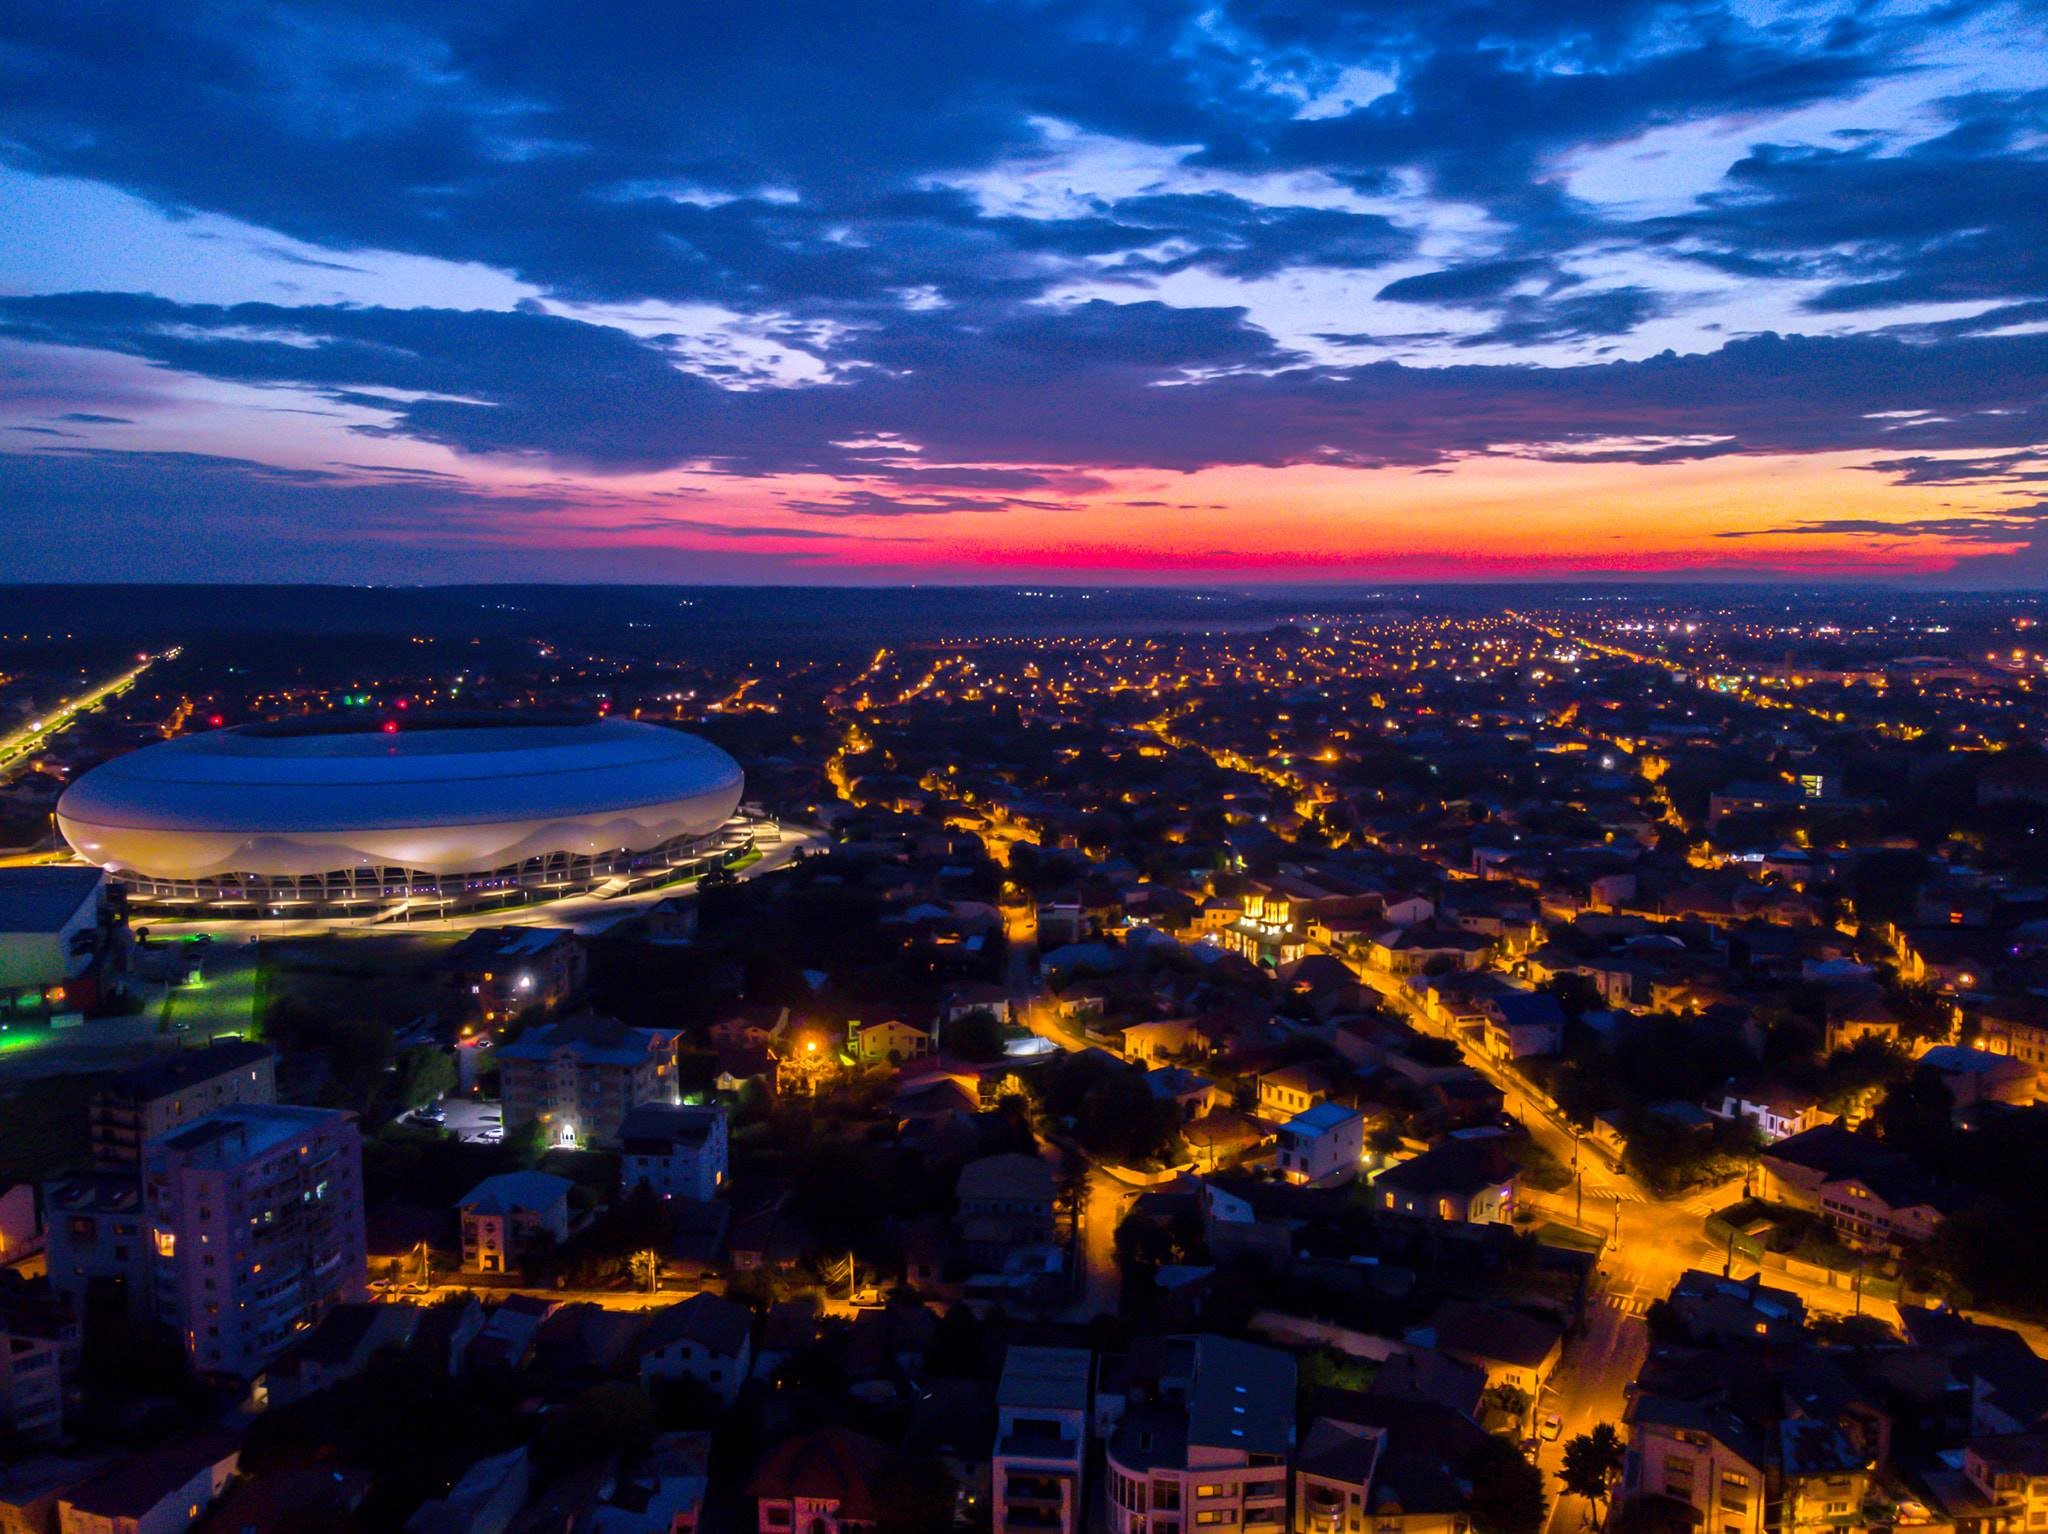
[673, 919]
[823, 1482]
[1005, 1206]
[1520, 1024]
[21, 1222]
[507, 1216]
[2010, 1471]
[1778, 1110]
[1518, 1351]
[1873, 1197]
[31, 1488]
[97, 1250]
[50, 927]
[1191, 1095]
[1385, 1462]
[39, 1356]
[339, 1347]
[1322, 1145]
[1156, 1043]
[703, 1338]
[1411, 950]
[160, 1491]
[889, 1043]
[306, 1493]
[969, 999]
[663, 1494]
[1698, 1455]
[496, 973]
[1463, 1181]
[674, 1151]
[1711, 1309]
[1975, 1076]
[484, 1499]
[1292, 1089]
[2016, 1027]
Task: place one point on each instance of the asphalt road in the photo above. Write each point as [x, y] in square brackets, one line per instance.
[31, 738]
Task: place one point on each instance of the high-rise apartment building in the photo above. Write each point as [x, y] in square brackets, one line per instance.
[256, 1229]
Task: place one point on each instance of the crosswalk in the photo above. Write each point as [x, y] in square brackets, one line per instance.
[1627, 1304]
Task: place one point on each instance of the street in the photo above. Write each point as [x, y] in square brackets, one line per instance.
[1591, 1387]
[31, 737]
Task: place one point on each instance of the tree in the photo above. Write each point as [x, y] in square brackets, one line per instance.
[975, 1037]
[1513, 1402]
[425, 1072]
[1507, 1491]
[1592, 1460]
[916, 1496]
[1917, 1116]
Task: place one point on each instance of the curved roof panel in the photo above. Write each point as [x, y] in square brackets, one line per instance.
[439, 799]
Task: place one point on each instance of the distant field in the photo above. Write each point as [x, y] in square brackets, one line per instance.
[226, 1001]
[386, 976]
[43, 1126]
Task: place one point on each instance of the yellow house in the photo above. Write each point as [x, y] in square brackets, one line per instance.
[889, 1043]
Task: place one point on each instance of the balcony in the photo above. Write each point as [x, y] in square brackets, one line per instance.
[1037, 1490]
[1030, 1515]
[1042, 1448]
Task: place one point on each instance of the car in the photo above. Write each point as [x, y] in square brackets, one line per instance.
[1531, 1447]
[1552, 1427]
[432, 1113]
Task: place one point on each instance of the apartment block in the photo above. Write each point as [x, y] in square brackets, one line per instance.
[138, 1104]
[256, 1229]
[1204, 1443]
[1041, 1440]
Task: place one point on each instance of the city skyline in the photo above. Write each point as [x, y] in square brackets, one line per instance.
[1092, 293]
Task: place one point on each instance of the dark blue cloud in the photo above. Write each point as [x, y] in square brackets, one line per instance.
[1092, 386]
[848, 179]
[798, 152]
[1961, 217]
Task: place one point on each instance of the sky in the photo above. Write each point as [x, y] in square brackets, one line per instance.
[1233, 291]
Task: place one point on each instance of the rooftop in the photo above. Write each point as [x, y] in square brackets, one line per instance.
[1050, 1378]
[516, 1192]
[188, 1067]
[45, 899]
[228, 1137]
[1243, 1397]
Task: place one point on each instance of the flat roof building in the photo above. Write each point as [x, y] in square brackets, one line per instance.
[48, 916]
[152, 1099]
[256, 1229]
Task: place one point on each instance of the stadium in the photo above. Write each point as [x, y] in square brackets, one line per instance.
[307, 818]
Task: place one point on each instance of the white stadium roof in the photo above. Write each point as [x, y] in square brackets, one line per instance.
[437, 796]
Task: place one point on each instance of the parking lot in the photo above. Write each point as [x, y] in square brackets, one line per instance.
[476, 1121]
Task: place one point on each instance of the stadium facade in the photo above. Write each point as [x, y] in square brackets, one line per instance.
[305, 818]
